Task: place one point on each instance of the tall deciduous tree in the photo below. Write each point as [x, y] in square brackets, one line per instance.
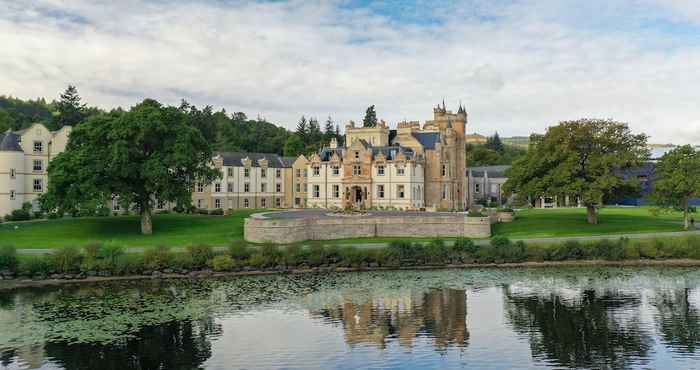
[70, 110]
[677, 180]
[584, 159]
[149, 153]
[370, 119]
[293, 146]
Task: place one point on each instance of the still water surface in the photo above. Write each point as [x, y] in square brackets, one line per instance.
[482, 319]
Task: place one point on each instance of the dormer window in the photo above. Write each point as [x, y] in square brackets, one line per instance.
[38, 147]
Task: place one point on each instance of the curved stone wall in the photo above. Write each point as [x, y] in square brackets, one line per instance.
[261, 229]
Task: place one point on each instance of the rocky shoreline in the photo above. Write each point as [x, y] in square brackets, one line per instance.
[9, 281]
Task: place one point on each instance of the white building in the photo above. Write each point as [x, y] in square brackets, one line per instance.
[24, 158]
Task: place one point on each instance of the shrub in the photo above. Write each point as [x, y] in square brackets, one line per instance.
[54, 215]
[239, 251]
[200, 253]
[464, 246]
[293, 255]
[271, 255]
[182, 261]
[217, 212]
[222, 262]
[436, 252]
[110, 253]
[8, 258]
[127, 265]
[34, 266]
[157, 258]
[504, 249]
[647, 250]
[610, 250]
[403, 249]
[102, 212]
[317, 255]
[569, 250]
[67, 259]
[18, 215]
[202, 211]
[351, 257]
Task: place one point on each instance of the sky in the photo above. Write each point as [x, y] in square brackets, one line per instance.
[518, 66]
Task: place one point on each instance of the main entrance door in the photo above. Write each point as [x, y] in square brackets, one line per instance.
[357, 196]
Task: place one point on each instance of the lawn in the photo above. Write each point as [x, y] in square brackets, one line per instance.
[168, 229]
[572, 222]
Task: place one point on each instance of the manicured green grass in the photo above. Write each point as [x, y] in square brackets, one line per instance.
[572, 222]
[168, 229]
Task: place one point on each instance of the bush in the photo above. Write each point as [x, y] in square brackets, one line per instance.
[610, 250]
[34, 266]
[436, 252]
[202, 211]
[217, 212]
[403, 249]
[239, 251]
[8, 258]
[503, 249]
[201, 254]
[293, 255]
[54, 215]
[19, 215]
[157, 258]
[317, 255]
[464, 246]
[270, 254]
[67, 259]
[222, 262]
[183, 261]
[127, 265]
[351, 257]
[569, 250]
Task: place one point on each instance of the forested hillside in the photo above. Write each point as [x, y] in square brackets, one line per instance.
[224, 131]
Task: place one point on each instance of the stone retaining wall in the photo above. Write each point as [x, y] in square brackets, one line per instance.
[259, 229]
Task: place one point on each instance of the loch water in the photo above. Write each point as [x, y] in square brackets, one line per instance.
[491, 318]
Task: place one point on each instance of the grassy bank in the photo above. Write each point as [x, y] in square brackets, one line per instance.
[109, 260]
[186, 229]
[572, 222]
[168, 229]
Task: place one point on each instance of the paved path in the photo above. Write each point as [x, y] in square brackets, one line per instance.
[476, 241]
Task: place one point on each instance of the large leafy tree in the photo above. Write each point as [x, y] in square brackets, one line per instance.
[69, 109]
[150, 152]
[293, 146]
[584, 159]
[370, 119]
[677, 180]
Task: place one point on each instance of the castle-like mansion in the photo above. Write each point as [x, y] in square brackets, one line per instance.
[409, 167]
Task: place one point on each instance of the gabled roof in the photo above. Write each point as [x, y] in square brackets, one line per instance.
[9, 142]
[327, 153]
[427, 139]
[492, 171]
[235, 159]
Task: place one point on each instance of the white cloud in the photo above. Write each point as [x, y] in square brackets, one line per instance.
[519, 67]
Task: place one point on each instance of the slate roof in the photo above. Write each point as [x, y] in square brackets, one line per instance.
[493, 171]
[391, 151]
[9, 142]
[427, 139]
[236, 159]
[326, 153]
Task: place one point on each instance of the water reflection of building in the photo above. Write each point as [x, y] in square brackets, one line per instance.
[438, 314]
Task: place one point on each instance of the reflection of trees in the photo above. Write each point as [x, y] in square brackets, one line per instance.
[177, 345]
[580, 333]
[678, 321]
[439, 314]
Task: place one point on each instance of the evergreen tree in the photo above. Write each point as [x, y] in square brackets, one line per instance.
[70, 110]
[315, 136]
[328, 130]
[303, 130]
[494, 143]
[338, 136]
[370, 119]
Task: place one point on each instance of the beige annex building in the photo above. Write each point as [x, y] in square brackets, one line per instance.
[24, 157]
[410, 167]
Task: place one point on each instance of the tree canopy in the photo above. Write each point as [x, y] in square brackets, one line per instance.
[677, 180]
[69, 110]
[584, 159]
[152, 152]
[494, 143]
[370, 119]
